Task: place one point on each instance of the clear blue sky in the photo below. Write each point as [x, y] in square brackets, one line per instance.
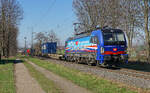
[44, 15]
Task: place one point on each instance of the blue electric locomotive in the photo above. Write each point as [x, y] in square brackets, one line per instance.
[103, 46]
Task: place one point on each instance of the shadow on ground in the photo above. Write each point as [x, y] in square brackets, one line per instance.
[139, 66]
[10, 61]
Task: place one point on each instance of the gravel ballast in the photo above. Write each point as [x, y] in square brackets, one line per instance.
[129, 80]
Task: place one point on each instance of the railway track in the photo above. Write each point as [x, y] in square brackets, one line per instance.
[133, 73]
[136, 78]
[140, 74]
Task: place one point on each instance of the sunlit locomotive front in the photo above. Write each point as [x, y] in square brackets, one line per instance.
[105, 47]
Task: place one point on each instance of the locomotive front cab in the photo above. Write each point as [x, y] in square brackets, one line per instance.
[114, 46]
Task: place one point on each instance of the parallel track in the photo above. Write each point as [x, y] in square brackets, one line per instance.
[128, 72]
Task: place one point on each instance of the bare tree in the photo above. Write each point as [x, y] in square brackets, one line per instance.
[124, 14]
[146, 17]
[52, 37]
[43, 38]
[83, 10]
[10, 16]
[98, 12]
[132, 19]
[37, 49]
[40, 37]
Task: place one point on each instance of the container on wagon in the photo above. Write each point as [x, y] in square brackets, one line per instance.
[49, 48]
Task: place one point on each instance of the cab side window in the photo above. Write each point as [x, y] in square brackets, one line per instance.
[94, 39]
[65, 43]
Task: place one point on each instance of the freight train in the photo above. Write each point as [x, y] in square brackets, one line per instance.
[106, 47]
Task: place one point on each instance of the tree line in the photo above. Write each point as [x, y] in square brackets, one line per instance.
[10, 15]
[132, 16]
[42, 37]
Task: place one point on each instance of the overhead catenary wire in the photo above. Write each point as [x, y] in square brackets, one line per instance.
[41, 19]
[58, 26]
[43, 16]
[63, 23]
[49, 9]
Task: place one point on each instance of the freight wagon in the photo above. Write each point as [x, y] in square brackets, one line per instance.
[105, 47]
[49, 48]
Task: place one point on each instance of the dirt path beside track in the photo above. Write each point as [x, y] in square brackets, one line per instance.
[24, 82]
[65, 85]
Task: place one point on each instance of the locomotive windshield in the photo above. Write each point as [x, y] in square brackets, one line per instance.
[113, 38]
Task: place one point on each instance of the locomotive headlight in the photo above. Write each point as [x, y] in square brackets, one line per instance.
[102, 50]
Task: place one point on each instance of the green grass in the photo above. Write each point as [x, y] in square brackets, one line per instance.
[91, 82]
[47, 85]
[7, 78]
